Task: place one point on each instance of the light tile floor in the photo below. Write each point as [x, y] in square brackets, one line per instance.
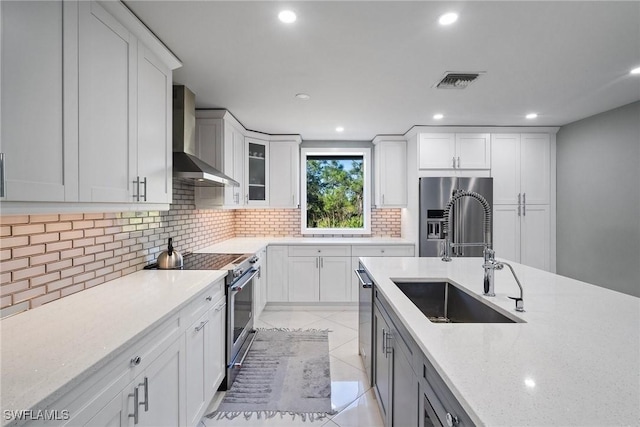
[351, 396]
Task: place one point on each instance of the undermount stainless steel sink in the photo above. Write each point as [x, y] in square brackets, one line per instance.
[443, 302]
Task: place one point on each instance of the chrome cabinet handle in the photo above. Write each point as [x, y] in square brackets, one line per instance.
[221, 306]
[383, 198]
[135, 361]
[317, 265]
[458, 162]
[524, 204]
[198, 328]
[384, 342]
[144, 198]
[388, 344]
[136, 196]
[145, 383]
[452, 420]
[2, 176]
[135, 406]
[321, 262]
[518, 204]
[209, 298]
[453, 160]
[246, 198]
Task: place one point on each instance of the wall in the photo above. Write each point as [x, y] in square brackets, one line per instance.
[47, 257]
[286, 222]
[598, 199]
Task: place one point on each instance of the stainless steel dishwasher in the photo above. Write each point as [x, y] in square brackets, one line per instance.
[365, 316]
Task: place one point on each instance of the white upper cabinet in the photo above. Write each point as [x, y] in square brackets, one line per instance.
[454, 151]
[107, 88]
[154, 127]
[390, 157]
[37, 119]
[256, 172]
[86, 110]
[520, 168]
[220, 142]
[284, 178]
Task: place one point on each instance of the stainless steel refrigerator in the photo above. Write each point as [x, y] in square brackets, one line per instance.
[467, 213]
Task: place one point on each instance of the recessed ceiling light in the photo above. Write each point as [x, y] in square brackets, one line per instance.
[438, 116]
[302, 96]
[287, 16]
[448, 18]
[339, 129]
[531, 115]
[635, 71]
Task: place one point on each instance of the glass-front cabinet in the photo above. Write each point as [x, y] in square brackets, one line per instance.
[257, 172]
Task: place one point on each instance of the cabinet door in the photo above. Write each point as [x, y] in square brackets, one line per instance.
[473, 151]
[277, 273]
[256, 172]
[534, 168]
[154, 123]
[335, 278]
[505, 168]
[39, 162]
[115, 413]
[107, 88]
[197, 348]
[535, 236]
[304, 279]
[210, 148]
[238, 167]
[437, 151]
[391, 178]
[215, 367]
[165, 391]
[283, 173]
[506, 232]
[383, 358]
[406, 394]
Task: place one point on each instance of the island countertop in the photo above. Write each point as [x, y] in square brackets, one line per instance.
[575, 360]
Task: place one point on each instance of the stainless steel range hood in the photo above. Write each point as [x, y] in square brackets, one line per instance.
[186, 165]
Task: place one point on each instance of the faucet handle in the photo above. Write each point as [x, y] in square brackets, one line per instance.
[519, 303]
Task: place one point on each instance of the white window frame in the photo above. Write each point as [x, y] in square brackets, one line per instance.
[366, 156]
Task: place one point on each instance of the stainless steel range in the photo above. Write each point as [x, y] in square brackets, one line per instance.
[239, 291]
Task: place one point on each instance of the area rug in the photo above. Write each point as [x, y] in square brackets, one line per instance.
[286, 373]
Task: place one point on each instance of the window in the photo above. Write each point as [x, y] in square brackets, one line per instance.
[335, 191]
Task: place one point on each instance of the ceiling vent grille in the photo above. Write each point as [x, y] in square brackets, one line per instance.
[454, 80]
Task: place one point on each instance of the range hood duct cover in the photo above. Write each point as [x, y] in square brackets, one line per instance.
[457, 80]
[187, 167]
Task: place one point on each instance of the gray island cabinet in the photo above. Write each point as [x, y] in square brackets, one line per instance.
[572, 358]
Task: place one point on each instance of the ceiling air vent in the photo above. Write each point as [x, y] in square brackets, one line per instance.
[452, 80]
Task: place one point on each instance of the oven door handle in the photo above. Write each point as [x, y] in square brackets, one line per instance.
[242, 282]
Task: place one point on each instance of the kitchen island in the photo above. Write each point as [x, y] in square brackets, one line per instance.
[574, 360]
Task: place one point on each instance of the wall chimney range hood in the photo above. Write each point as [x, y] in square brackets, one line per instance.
[187, 167]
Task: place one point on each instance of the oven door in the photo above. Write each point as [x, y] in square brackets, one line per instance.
[239, 322]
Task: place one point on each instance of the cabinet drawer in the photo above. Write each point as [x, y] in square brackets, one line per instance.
[329, 250]
[201, 303]
[381, 250]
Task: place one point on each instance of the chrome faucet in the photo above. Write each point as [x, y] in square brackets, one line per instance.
[490, 264]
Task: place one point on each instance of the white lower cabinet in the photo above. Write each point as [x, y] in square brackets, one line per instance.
[260, 284]
[167, 378]
[319, 273]
[522, 235]
[277, 274]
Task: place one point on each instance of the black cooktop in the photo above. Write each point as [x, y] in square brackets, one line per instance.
[206, 261]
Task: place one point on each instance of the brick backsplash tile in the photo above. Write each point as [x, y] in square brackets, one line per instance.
[46, 257]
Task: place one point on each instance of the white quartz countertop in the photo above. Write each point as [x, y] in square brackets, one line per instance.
[49, 350]
[576, 360]
[254, 244]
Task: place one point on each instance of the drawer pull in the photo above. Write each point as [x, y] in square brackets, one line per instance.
[145, 383]
[135, 406]
[135, 361]
[199, 327]
[209, 298]
[221, 306]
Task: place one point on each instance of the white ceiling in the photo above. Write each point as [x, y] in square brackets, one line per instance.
[370, 65]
